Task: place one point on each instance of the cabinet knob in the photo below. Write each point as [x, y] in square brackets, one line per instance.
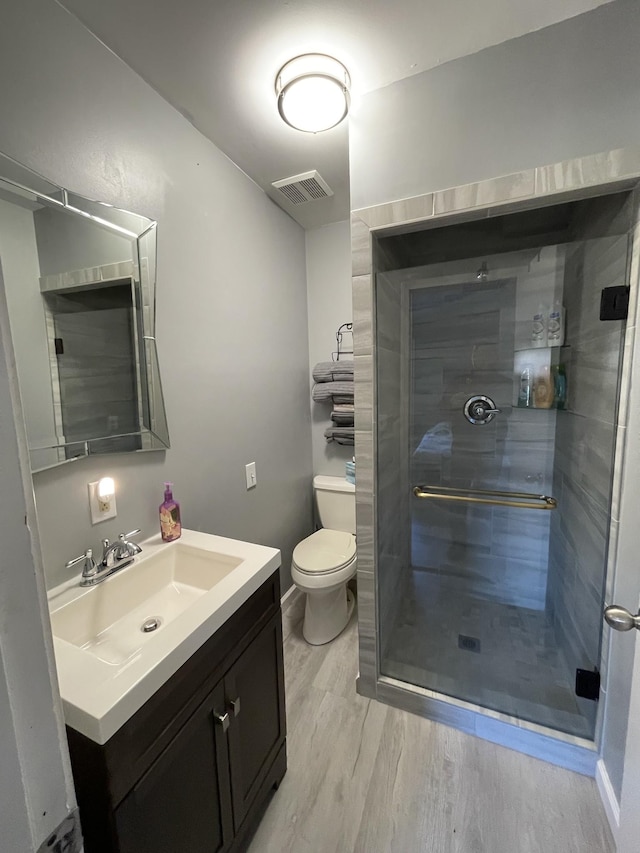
[235, 706]
[222, 720]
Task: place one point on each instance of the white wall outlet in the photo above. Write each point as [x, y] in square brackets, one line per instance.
[101, 508]
[250, 471]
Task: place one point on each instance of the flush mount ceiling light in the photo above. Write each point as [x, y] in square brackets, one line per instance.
[313, 92]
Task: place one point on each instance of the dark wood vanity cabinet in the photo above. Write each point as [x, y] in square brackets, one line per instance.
[194, 768]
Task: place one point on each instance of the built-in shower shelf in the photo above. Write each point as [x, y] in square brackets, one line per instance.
[541, 349]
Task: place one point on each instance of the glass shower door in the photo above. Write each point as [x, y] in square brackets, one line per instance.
[496, 599]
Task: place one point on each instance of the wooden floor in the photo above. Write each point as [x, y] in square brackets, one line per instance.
[368, 778]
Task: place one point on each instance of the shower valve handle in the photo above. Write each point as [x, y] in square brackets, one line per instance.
[480, 409]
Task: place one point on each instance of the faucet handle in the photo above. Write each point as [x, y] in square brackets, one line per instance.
[126, 548]
[89, 569]
[132, 533]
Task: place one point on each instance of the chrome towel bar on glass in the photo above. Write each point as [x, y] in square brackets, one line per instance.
[522, 500]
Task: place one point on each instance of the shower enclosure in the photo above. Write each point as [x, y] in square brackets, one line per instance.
[494, 444]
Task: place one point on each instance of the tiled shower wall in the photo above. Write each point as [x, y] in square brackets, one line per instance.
[463, 334]
[585, 438]
[392, 453]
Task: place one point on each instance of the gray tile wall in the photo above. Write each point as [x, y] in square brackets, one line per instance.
[463, 344]
[391, 453]
[585, 444]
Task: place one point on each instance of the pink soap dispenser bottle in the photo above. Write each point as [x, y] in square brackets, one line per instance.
[170, 526]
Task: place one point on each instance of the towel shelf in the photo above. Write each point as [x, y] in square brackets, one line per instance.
[340, 343]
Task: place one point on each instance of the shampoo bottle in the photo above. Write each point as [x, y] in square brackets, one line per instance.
[560, 387]
[170, 526]
[525, 390]
[543, 389]
[539, 327]
[555, 325]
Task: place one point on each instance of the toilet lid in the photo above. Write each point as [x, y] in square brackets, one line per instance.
[324, 551]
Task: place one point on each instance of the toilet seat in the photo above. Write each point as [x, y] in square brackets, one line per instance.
[325, 552]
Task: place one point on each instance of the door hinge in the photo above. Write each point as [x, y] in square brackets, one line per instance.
[59, 345]
[588, 684]
[614, 303]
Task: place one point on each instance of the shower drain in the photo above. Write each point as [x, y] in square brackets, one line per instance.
[151, 624]
[469, 644]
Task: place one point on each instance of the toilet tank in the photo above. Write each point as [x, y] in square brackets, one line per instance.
[336, 502]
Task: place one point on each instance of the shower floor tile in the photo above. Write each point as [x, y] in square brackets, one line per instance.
[518, 670]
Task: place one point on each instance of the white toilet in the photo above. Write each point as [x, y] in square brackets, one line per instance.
[324, 562]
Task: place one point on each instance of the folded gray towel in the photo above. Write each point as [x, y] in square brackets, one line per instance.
[333, 371]
[342, 418]
[333, 390]
[340, 434]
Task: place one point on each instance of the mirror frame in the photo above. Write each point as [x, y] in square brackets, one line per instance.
[16, 179]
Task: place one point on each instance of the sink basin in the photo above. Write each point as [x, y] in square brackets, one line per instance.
[116, 643]
[110, 625]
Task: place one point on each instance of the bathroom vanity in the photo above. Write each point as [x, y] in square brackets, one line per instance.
[192, 769]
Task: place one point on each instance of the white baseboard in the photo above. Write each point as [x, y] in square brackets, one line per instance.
[286, 600]
[608, 797]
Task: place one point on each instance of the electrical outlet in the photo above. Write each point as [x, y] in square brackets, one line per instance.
[102, 508]
[250, 471]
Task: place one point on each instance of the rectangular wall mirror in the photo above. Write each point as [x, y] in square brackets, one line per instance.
[80, 285]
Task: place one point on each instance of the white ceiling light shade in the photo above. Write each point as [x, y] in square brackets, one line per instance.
[313, 92]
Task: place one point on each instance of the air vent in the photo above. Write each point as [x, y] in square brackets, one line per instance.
[301, 188]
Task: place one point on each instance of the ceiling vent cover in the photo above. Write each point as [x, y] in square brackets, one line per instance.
[301, 188]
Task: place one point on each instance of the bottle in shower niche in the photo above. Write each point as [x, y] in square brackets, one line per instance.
[555, 325]
[543, 389]
[170, 525]
[539, 327]
[560, 387]
[525, 391]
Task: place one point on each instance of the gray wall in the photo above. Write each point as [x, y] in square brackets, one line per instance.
[232, 311]
[19, 257]
[328, 255]
[66, 242]
[558, 93]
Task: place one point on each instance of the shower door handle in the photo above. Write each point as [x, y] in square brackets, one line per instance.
[521, 500]
[621, 619]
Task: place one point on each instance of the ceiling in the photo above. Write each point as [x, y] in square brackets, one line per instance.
[216, 61]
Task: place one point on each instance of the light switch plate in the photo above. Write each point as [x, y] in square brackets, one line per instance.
[250, 471]
[99, 510]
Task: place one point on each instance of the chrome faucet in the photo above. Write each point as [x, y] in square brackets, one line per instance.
[113, 553]
[115, 556]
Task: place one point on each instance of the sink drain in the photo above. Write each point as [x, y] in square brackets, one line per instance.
[151, 624]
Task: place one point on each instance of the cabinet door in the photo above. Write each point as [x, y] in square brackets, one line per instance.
[182, 803]
[254, 688]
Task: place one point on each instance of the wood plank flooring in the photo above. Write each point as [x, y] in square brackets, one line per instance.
[367, 778]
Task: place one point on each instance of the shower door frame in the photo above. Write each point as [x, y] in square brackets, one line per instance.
[580, 178]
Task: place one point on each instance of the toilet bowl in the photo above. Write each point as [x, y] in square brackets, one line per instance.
[322, 565]
[325, 562]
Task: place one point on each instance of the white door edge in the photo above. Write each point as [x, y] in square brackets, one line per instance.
[608, 797]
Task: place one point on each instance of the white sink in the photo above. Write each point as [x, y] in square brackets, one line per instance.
[108, 665]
